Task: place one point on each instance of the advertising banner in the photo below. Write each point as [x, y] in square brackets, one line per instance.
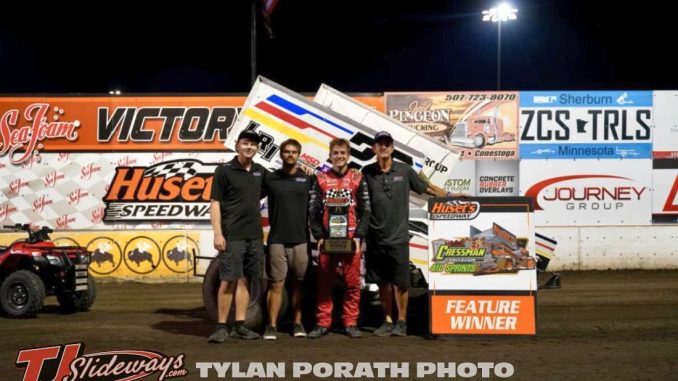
[665, 194]
[482, 125]
[32, 125]
[665, 143]
[585, 124]
[483, 315]
[481, 243]
[278, 114]
[497, 178]
[115, 190]
[462, 179]
[148, 254]
[588, 192]
[482, 266]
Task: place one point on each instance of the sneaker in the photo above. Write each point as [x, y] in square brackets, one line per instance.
[353, 332]
[298, 331]
[218, 336]
[270, 333]
[318, 332]
[242, 332]
[385, 330]
[400, 329]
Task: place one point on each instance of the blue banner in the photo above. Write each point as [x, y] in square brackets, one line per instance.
[620, 98]
[586, 151]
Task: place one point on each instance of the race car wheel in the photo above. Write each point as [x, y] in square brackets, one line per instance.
[22, 294]
[210, 287]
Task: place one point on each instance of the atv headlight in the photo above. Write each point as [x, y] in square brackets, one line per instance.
[55, 260]
[85, 259]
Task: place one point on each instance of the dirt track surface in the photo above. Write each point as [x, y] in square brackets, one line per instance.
[620, 325]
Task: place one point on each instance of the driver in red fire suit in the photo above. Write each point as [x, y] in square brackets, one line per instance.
[339, 200]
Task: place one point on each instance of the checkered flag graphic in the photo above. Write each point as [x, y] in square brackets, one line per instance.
[181, 168]
[332, 197]
[339, 193]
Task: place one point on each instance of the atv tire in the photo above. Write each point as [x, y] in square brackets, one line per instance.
[22, 294]
[254, 319]
[79, 301]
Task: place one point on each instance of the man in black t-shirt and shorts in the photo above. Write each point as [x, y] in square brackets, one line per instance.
[387, 260]
[288, 191]
[236, 221]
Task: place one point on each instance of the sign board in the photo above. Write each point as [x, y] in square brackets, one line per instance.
[482, 125]
[585, 125]
[482, 266]
[588, 192]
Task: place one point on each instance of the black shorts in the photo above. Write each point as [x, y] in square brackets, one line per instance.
[244, 257]
[388, 264]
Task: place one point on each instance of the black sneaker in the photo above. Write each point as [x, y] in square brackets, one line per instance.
[385, 330]
[270, 333]
[353, 332]
[318, 332]
[242, 332]
[400, 329]
[218, 336]
[298, 331]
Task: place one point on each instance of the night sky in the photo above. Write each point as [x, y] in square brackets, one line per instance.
[354, 46]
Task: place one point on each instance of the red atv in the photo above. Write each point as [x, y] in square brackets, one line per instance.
[33, 268]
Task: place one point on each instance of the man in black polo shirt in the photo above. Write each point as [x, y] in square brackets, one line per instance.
[388, 253]
[288, 190]
[236, 221]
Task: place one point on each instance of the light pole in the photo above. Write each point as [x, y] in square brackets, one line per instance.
[499, 14]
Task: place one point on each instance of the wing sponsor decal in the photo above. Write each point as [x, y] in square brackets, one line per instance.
[439, 158]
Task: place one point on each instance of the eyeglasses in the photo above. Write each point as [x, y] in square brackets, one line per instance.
[387, 187]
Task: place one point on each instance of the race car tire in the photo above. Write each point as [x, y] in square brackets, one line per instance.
[210, 287]
[22, 294]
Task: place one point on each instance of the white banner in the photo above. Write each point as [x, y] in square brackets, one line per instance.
[665, 195]
[481, 243]
[665, 144]
[463, 178]
[588, 192]
[67, 191]
[497, 178]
